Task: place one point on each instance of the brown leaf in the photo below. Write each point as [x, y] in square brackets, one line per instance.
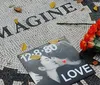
[79, 1]
[18, 9]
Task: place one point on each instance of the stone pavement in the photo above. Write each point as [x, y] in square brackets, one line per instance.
[38, 25]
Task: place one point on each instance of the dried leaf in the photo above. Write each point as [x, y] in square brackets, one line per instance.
[11, 6]
[18, 9]
[24, 47]
[82, 9]
[16, 21]
[35, 57]
[95, 8]
[52, 4]
[79, 1]
[54, 41]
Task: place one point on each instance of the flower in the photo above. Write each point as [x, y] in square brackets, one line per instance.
[88, 37]
[83, 45]
[92, 38]
[92, 29]
[98, 33]
[90, 45]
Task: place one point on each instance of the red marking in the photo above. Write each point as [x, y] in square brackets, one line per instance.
[64, 61]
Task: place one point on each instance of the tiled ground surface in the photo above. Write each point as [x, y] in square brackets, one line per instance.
[38, 35]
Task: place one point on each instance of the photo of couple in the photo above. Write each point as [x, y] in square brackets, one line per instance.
[47, 70]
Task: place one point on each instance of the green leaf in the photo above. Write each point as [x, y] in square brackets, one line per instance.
[97, 44]
[11, 6]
